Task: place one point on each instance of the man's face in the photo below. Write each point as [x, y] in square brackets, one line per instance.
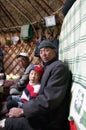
[22, 62]
[47, 54]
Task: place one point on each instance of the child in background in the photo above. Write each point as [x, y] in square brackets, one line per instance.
[31, 90]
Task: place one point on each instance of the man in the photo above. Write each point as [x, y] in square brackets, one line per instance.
[23, 61]
[50, 109]
[16, 86]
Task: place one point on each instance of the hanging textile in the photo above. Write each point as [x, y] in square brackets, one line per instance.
[26, 32]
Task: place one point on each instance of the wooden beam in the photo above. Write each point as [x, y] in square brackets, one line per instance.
[42, 7]
[28, 12]
[61, 2]
[2, 21]
[35, 9]
[16, 8]
[13, 21]
[10, 17]
[21, 14]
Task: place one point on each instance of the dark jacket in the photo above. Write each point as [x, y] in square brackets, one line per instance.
[49, 111]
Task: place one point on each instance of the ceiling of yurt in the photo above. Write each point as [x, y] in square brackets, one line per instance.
[15, 13]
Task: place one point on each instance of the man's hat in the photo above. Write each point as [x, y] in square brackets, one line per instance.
[46, 44]
[23, 54]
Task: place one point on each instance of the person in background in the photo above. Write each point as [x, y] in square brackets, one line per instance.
[24, 63]
[2, 72]
[2, 76]
[1, 56]
[50, 109]
[31, 90]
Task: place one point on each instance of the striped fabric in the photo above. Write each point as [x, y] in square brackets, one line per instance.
[72, 48]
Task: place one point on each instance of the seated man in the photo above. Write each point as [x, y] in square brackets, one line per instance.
[16, 85]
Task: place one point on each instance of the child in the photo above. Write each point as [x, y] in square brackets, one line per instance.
[31, 90]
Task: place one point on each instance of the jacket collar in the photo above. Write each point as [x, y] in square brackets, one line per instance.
[54, 59]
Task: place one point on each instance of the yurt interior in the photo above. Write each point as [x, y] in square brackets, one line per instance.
[24, 23]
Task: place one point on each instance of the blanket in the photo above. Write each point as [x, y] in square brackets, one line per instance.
[72, 49]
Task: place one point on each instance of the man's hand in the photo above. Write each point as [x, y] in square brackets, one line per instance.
[16, 112]
[8, 83]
